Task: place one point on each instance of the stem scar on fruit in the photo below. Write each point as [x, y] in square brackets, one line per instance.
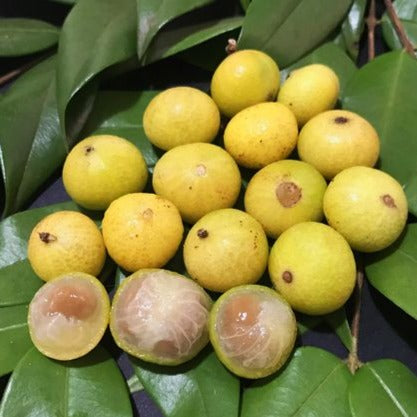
[340, 120]
[287, 277]
[202, 233]
[388, 201]
[88, 149]
[47, 237]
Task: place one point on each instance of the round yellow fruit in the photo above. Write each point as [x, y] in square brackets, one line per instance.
[142, 230]
[102, 168]
[197, 178]
[367, 206]
[338, 139]
[261, 134]
[68, 316]
[243, 79]
[181, 115]
[226, 248]
[313, 268]
[285, 193]
[252, 330]
[64, 242]
[309, 91]
[160, 316]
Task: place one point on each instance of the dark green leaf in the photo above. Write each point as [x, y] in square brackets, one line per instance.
[338, 322]
[411, 193]
[314, 383]
[96, 35]
[154, 14]
[352, 27]
[288, 29]
[25, 36]
[202, 387]
[393, 271]
[90, 386]
[245, 4]
[28, 116]
[18, 282]
[407, 12]
[383, 92]
[383, 388]
[14, 336]
[306, 323]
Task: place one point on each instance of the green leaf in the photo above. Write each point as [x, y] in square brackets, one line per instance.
[383, 92]
[154, 14]
[338, 322]
[294, 28]
[20, 36]
[89, 386]
[393, 271]
[411, 193]
[18, 282]
[331, 55]
[383, 388]
[96, 35]
[306, 323]
[407, 13]
[28, 116]
[202, 387]
[313, 383]
[352, 27]
[176, 40]
[14, 336]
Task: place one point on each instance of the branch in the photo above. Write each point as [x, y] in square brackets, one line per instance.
[399, 28]
[371, 22]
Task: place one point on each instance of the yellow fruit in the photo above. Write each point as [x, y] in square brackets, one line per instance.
[102, 168]
[226, 248]
[338, 139]
[285, 193]
[160, 316]
[197, 178]
[243, 79]
[309, 91]
[313, 267]
[367, 206]
[63, 242]
[142, 230]
[181, 115]
[261, 134]
[68, 316]
[253, 330]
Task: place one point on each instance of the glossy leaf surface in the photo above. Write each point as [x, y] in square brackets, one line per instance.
[340, 325]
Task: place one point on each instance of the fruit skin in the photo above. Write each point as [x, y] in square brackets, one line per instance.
[243, 79]
[309, 91]
[66, 304]
[171, 306]
[63, 242]
[338, 139]
[102, 168]
[261, 134]
[285, 193]
[142, 230]
[241, 325]
[313, 268]
[197, 178]
[181, 115]
[226, 248]
[367, 206]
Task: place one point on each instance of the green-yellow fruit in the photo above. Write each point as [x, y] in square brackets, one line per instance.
[181, 115]
[160, 316]
[68, 316]
[261, 134]
[253, 330]
[142, 230]
[313, 267]
[285, 193]
[226, 248]
[243, 79]
[102, 168]
[197, 178]
[309, 91]
[367, 206]
[338, 139]
[63, 242]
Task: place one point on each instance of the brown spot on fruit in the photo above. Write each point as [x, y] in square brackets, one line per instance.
[88, 149]
[388, 201]
[47, 237]
[200, 170]
[202, 233]
[341, 120]
[287, 277]
[288, 194]
[147, 214]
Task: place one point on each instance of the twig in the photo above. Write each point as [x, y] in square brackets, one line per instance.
[399, 28]
[353, 359]
[371, 22]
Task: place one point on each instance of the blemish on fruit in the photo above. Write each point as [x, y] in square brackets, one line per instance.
[287, 277]
[340, 120]
[47, 237]
[388, 201]
[88, 149]
[200, 170]
[288, 194]
[202, 233]
[147, 214]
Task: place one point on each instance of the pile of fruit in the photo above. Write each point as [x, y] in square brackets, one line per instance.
[163, 317]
